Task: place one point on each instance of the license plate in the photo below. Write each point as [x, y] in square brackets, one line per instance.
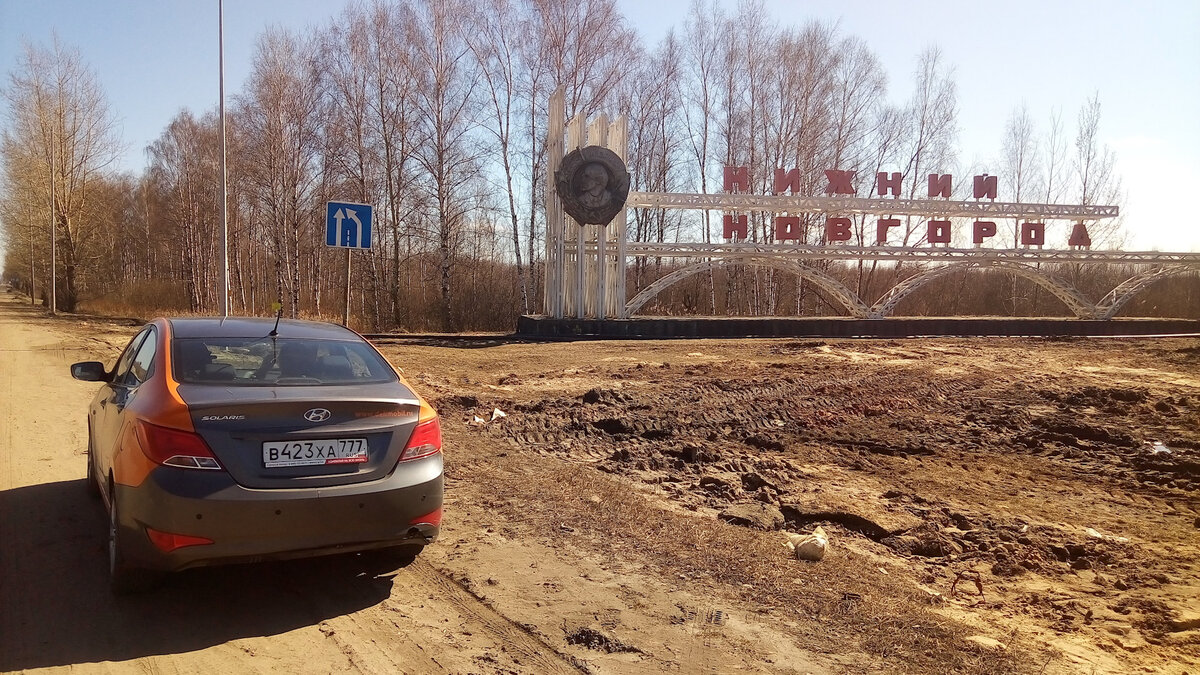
[315, 452]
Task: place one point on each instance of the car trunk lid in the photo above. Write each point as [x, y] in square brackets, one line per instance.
[304, 436]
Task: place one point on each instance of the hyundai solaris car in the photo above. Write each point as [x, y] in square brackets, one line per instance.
[219, 441]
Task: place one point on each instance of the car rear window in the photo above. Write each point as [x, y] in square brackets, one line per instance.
[277, 362]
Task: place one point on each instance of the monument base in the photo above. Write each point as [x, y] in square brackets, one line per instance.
[742, 327]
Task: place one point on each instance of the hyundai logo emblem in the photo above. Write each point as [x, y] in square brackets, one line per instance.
[317, 415]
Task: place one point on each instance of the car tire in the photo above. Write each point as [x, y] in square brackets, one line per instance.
[124, 578]
[93, 487]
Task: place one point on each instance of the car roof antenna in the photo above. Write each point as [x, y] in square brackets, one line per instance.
[278, 315]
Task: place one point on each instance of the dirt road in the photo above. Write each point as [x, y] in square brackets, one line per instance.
[995, 506]
[328, 615]
[333, 614]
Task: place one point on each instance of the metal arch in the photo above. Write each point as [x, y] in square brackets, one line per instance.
[884, 306]
[836, 289]
[1112, 303]
[1069, 295]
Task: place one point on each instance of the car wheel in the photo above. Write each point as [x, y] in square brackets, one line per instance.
[93, 487]
[123, 577]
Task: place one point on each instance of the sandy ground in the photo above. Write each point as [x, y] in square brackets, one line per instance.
[624, 516]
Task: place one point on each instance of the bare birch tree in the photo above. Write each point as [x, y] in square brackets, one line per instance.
[61, 134]
[446, 109]
[280, 112]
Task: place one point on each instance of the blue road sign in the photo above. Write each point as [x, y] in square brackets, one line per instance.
[348, 225]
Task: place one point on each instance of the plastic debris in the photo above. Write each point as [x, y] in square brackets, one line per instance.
[1159, 449]
[1096, 534]
[497, 414]
[808, 546]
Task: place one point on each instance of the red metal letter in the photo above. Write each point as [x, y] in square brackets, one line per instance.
[939, 232]
[984, 229]
[839, 182]
[883, 184]
[882, 226]
[787, 180]
[735, 228]
[1080, 236]
[1033, 234]
[939, 185]
[737, 178]
[985, 186]
[787, 228]
[837, 229]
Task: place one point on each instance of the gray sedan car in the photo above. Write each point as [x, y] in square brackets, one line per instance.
[237, 440]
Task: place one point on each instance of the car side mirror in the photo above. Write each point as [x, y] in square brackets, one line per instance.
[89, 371]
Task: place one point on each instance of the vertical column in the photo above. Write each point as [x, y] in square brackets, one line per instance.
[552, 295]
[617, 135]
[572, 281]
[596, 267]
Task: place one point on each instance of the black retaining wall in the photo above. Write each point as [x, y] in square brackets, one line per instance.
[733, 327]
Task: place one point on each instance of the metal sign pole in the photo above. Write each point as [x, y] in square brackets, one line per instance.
[224, 180]
[53, 236]
[348, 226]
[32, 274]
[346, 314]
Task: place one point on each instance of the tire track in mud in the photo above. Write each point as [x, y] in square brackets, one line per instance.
[714, 436]
[707, 409]
[426, 613]
[536, 654]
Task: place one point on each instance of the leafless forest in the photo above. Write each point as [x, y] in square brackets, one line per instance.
[438, 119]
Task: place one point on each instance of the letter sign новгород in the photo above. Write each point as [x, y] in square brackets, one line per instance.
[939, 232]
[837, 229]
[984, 229]
[787, 228]
[1080, 236]
[1033, 234]
[735, 227]
[881, 229]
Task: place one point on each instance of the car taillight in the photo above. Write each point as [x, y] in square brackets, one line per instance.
[433, 518]
[426, 440]
[172, 447]
[169, 541]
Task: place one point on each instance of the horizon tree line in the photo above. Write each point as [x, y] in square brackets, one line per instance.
[437, 116]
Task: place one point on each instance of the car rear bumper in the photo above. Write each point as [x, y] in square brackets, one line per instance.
[247, 525]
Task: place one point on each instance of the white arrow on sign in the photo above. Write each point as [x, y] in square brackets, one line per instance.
[337, 220]
[350, 213]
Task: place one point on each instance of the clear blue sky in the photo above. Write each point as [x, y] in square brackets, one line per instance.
[157, 57]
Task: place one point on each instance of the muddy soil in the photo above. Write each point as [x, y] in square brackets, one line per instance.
[993, 506]
[1043, 493]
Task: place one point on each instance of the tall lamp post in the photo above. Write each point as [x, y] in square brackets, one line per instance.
[53, 235]
[224, 180]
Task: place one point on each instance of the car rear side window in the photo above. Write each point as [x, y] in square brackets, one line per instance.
[277, 362]
[143, 363]
[121, 369]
